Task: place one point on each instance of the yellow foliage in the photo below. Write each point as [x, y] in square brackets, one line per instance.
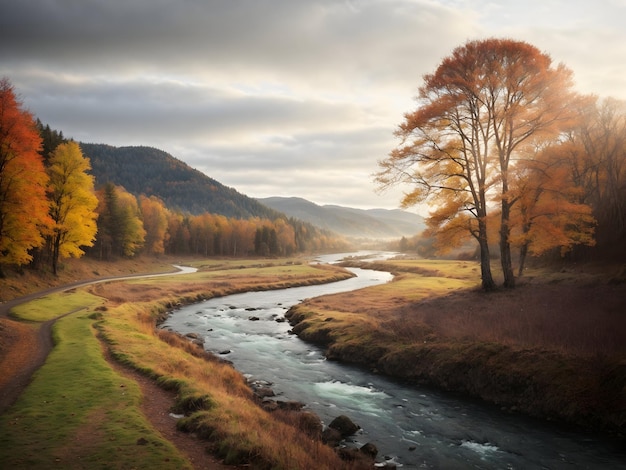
[73, 201]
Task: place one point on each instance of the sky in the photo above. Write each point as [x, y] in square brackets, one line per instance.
[276, 97]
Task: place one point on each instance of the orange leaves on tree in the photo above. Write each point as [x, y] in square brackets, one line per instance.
[154, 215]
[23, 180]
[475, 113]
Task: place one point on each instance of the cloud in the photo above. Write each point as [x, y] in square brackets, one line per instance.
[291, 97]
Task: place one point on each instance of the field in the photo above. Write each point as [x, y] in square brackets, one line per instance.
[552, 348]
[81, 409]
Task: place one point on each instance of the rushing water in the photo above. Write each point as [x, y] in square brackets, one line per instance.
[414, 428]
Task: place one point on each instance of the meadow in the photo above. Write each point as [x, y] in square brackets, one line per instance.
[552, 348]
[81, 412]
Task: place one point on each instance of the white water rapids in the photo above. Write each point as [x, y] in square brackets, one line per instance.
[413, 427]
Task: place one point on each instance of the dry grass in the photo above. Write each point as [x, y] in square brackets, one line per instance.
[215, 397]
[580, 313]
[23, 281]
[553, 347]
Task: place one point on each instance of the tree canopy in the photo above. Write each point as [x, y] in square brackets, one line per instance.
[477, 115]
[23, 180]
[72, 202]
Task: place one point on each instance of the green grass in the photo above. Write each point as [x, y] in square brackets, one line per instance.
[54, 305]
[79, 413]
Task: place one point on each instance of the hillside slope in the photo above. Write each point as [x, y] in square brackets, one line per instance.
[149, 171]
[350, 222]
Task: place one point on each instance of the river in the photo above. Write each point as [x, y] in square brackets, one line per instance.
[412, 427]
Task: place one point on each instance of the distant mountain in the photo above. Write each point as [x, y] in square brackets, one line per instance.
[149, 171]
[360, 223]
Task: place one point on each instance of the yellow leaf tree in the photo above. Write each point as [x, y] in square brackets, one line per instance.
[72, 203]
[23, 180]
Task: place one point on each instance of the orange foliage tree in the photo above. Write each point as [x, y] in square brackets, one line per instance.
[23, 180]
[154, 215]
[547, 211]
[457, 150]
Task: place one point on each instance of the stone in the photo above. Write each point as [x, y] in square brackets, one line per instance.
[344, 425]
[348, 454]
[264, 392]
[370, 450]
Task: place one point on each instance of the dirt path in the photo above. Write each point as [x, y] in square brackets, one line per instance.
[24, 347]
[28, 347]
[155, 406]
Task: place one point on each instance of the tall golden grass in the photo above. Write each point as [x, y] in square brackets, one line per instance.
[553, 347]
[215, 397]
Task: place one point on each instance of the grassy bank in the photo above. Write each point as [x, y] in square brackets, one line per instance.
[552, 348]
[79, 413]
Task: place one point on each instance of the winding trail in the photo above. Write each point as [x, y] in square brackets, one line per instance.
[29, 344]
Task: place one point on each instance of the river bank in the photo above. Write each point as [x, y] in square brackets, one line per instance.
[127, 318]
[553, 348]
[79, 411]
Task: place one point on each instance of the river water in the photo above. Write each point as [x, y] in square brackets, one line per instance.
[412, 427]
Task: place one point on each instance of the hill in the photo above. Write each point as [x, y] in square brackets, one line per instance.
[350, 222]
[149, 171]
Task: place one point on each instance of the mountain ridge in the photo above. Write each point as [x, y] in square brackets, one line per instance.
[153, 172]
[349, 221]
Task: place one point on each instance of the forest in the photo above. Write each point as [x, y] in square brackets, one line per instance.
[52, 206]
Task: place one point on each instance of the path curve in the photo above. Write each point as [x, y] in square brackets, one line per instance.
[17, 377]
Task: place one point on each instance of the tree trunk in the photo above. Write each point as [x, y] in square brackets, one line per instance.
[485, 262]
[505, 246]
[523, 251]
[56, 244]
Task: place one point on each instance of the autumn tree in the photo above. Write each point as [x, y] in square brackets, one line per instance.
[459, 147]
[131, 231]
[597, 156]
[23, 180]
[72, 203]
[121, 231]
[285, 237]
[547, 212]
[154, 215]
[178, 234]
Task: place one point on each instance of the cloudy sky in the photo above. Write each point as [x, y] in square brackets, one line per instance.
[275, 97]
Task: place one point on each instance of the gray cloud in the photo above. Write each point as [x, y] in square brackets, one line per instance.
[274, 97]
